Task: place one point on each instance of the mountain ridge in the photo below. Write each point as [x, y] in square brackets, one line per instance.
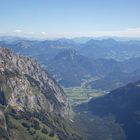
[31, 101]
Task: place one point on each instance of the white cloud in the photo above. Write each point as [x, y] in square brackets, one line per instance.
[43, 33]
[130, 32]
[18, 31]
[22, 33]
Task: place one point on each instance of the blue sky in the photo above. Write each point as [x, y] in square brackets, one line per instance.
[70, 18]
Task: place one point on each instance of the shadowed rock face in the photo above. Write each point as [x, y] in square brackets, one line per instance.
[25, 85]
[2, 97]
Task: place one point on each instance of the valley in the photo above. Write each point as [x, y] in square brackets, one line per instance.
[78, 95]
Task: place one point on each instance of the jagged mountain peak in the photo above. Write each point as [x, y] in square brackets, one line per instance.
[67, 54]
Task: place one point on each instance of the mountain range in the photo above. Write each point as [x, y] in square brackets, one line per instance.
[33, 106]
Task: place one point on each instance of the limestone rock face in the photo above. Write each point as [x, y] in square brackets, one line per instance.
[26, 86]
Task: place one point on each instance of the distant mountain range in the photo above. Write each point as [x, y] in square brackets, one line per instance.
[89, 64]
[111, 49]
[72, 69]
[33, 105]
[105, 48]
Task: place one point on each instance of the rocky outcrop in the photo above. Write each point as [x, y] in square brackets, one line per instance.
[26, 86]
[32, 105]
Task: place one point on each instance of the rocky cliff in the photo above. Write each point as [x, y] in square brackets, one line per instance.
[28, 92]
[27, 86]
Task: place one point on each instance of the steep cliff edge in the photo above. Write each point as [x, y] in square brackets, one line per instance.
[29, 97]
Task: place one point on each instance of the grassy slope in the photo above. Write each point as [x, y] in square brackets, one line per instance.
[30, 127]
